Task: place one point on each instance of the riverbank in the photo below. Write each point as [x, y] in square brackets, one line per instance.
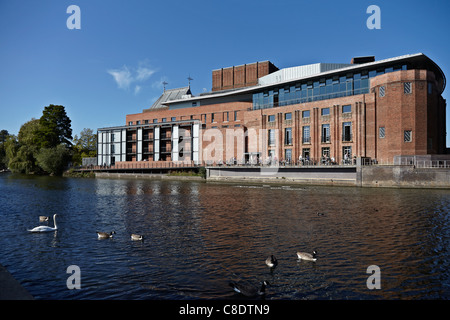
[386, 176]
[156, 176]
[393, 176]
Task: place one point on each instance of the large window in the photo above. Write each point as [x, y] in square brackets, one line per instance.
[271, 137]
[288, 155]
[288, 136]
[326, 133]
[347, 154]
[306, 134]
[271, 118]
[347, 131]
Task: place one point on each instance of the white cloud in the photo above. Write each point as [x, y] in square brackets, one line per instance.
[126, 76]
[122, 77]
[144, 73]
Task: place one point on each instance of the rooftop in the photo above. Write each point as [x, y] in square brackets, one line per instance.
[306, 72]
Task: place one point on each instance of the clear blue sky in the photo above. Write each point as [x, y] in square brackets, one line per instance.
[115, 63]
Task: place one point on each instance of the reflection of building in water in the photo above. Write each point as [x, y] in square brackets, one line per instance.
[375, 109]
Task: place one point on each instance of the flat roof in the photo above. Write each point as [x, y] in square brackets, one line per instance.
[352, 68]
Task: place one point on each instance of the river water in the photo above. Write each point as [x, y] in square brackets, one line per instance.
[200, 236]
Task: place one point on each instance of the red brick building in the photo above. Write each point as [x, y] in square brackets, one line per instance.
[369, 109]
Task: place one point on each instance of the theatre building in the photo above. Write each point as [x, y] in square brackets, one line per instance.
[371, 109]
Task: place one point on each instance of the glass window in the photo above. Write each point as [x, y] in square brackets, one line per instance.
[212, 117]
[325, 111]
[130, 123]
[288, 155]
[288, 116]
[347, 154]
[288, 136]
[326, 152]
[138, 122]
[164, 119]
[306, 134]
[155, 120]
[430, 88]
[408, 135]
[272, 118]
[271, 137]
[235, 115]
[382, 132]
[382, 91]
[347, 108]
[305, 153]
[346, 131]
[173, 119]
[305, 114]
[326, 133]
[226, 116]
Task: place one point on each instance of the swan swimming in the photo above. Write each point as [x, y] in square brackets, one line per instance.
[46, 228]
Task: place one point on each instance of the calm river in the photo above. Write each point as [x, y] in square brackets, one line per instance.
[200, 236]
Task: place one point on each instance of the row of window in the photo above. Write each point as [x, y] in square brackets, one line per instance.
[325, 155]
[321, 89]
[226, 117]
[306, 134]
[307, 113]
[326, 136]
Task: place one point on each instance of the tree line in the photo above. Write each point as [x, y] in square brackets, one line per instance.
[46, 145]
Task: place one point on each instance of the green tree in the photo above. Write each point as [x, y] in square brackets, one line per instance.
[21, 152]
[54, 160]
[4, 135]
[55, 127]
[84, 146]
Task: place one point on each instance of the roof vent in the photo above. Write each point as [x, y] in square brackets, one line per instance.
[361, 60]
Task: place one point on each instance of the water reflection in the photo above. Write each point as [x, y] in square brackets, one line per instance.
[198, 237]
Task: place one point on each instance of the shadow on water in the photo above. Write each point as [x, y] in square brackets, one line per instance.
[198, 237]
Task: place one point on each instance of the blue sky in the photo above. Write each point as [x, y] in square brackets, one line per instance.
[115, 64]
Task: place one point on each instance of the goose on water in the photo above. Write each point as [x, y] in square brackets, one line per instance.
[136, 237]
[105, 235]
[46, 228]
[249, 290]
[271, 261]
[307, 256]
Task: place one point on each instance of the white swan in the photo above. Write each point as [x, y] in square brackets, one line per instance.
[46, 228]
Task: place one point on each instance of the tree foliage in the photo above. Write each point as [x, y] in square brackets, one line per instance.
[54, 160]
[55, 127]
[42, 145]
[85, 146]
